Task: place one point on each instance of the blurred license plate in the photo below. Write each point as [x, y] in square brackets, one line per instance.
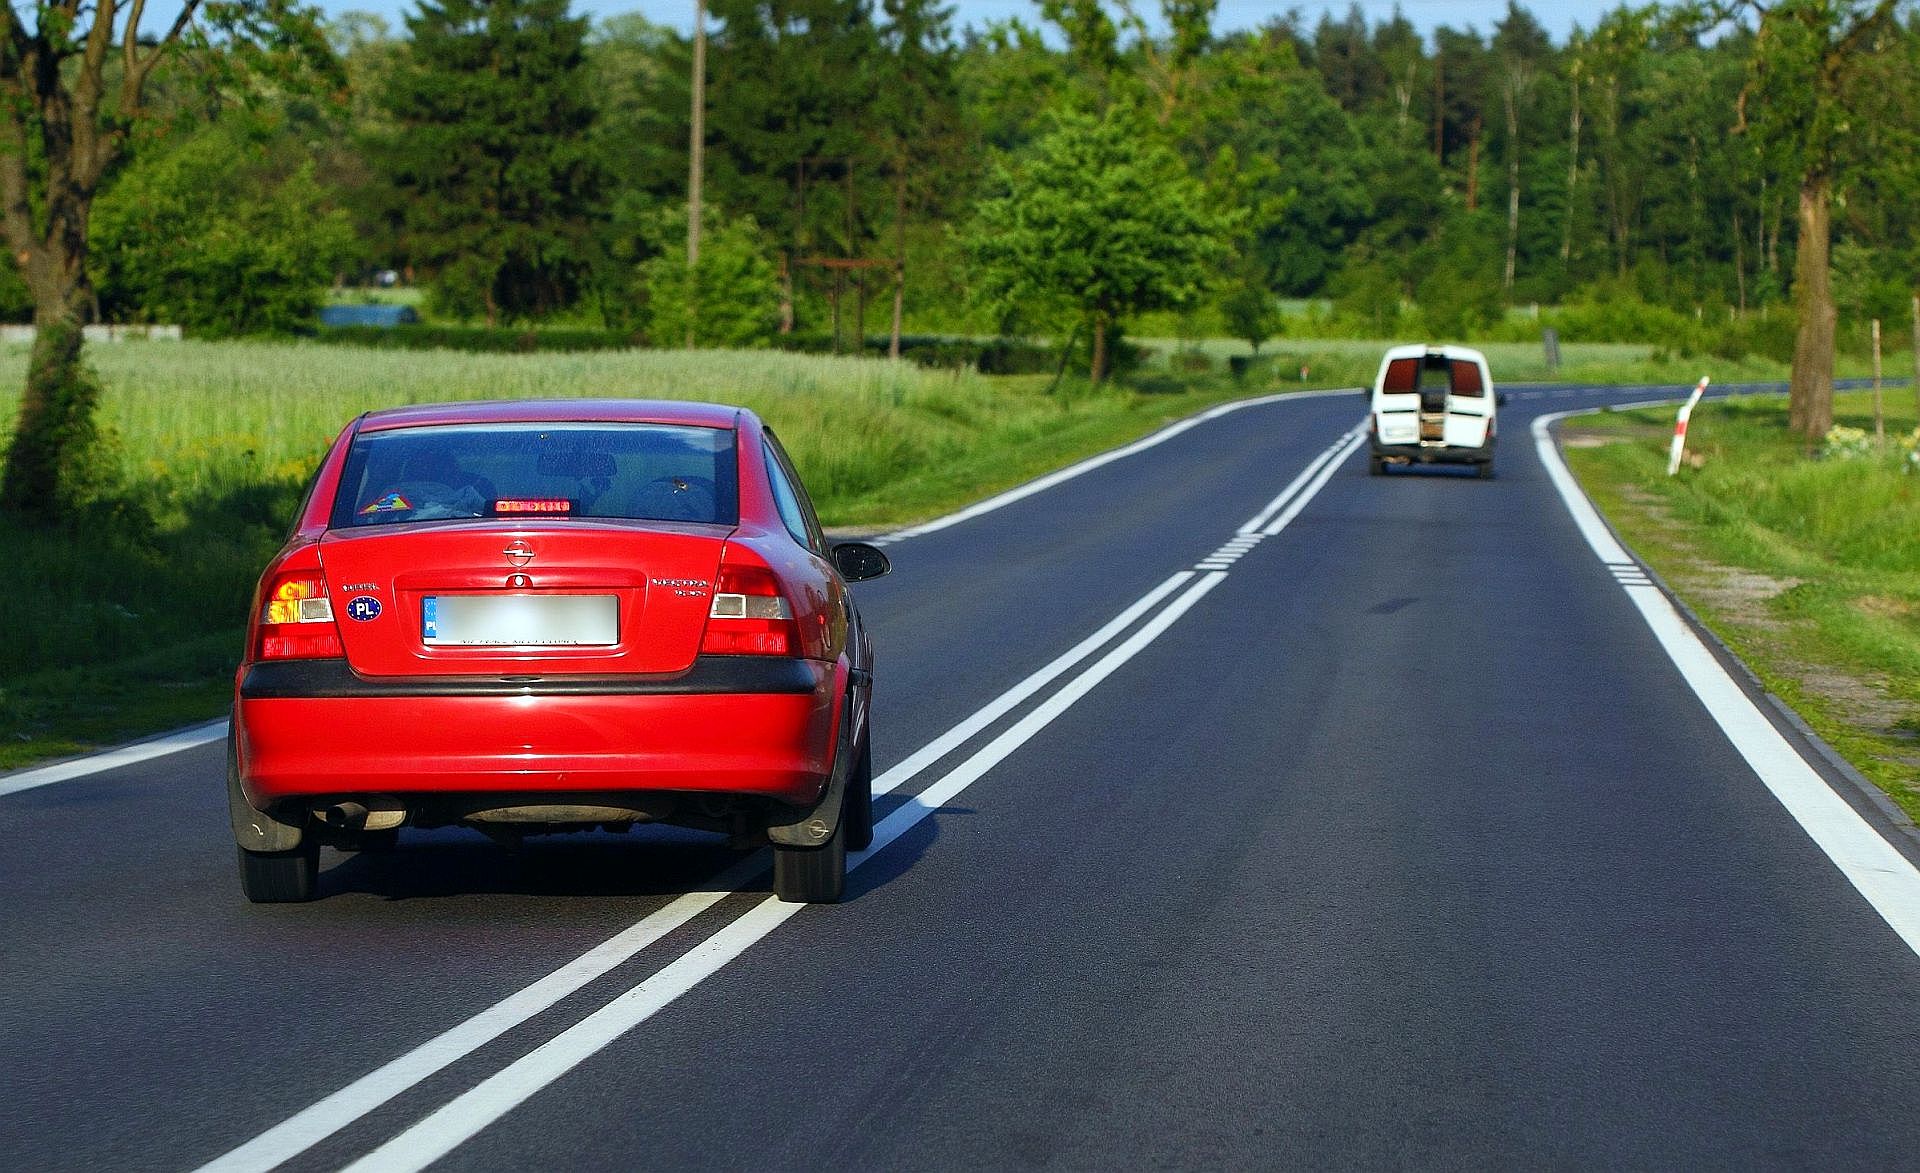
[520, 620]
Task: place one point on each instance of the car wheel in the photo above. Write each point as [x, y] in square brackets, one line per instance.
[280, 877]
[1484, 470]
[813, 875]
[858, 819]
[1376, 467]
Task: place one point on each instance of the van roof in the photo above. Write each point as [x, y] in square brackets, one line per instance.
[1422, 350]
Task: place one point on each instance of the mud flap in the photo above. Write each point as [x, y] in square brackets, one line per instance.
[812, 826]
[254, 830]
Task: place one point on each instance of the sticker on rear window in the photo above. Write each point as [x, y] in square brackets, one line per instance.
[388, 503]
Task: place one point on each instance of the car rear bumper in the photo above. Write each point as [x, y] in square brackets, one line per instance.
[741, 726]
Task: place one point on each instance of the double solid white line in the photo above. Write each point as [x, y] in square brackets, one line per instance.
[1120, 639]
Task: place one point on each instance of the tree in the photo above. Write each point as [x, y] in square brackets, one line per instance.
[1806, 59]
[225, 233]
[1101, 220]
[730, 298]
[490, 150]
[73, 86]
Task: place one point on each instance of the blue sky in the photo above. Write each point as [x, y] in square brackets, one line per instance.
[1558, 16]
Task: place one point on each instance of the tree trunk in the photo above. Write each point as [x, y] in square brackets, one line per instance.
[1810, 399]
[1513, 182]
[1473, 165]
[56, 425]
[1097, 373]
[1573, 171]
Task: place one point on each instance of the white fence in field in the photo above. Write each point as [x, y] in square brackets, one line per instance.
[23, 335]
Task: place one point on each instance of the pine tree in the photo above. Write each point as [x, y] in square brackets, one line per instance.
[490, 151]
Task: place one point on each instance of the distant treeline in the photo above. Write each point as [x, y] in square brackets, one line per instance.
[528, 167]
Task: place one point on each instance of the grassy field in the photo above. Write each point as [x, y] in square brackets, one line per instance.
[1809, 569]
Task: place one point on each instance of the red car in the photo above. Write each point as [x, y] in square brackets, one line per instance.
[528, 617]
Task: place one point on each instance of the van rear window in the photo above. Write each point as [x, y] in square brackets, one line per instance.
[1403, 374]
[653, 472]
[1466, 378]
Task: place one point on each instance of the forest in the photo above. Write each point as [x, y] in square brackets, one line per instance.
[526, 166]
[1731, 178]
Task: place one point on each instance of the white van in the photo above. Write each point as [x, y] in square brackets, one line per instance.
[1433, 405]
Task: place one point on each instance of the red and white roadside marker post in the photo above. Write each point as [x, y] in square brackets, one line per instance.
[1680, 427]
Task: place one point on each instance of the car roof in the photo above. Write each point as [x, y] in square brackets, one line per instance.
[688, 413]
[1421, 350]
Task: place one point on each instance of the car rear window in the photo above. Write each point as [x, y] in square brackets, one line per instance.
[653, 472]
[1466, 378]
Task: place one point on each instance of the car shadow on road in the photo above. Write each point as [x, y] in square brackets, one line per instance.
[650, 861]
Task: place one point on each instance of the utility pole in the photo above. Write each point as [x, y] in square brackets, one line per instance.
[696, 161]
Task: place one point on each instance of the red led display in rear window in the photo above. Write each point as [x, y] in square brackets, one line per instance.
[521, 505]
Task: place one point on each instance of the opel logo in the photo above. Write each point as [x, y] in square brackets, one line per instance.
[519, 553]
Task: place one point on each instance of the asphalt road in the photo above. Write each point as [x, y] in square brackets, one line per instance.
[1382, 832]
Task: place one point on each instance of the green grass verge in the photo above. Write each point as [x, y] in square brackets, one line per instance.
[1809, 569]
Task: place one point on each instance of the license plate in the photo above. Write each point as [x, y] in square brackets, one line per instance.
[520, 620]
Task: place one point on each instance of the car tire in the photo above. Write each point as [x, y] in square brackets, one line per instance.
[280, 877]
[858, 819]
[813, 875]
[1484, 470]
[1376, 467]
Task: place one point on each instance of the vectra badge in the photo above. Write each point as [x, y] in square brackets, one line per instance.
[519, 553]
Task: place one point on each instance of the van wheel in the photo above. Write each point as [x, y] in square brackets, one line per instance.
[812, 875]
[1376, 467]
[280, 877]
[1484, 470]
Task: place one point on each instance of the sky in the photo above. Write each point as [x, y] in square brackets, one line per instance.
[1557, 16]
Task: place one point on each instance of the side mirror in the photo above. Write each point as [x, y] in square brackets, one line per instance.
[858, 562]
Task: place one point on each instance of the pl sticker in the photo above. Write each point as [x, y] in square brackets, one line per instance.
[363, 608]
[391, 503]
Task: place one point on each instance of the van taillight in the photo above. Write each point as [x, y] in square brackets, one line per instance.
[749, 615]
[296, 621]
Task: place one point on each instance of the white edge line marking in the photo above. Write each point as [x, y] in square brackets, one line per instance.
[113, 759]
[1020, 492]
[467, 1114]
[311, 1125]
[1880, 873]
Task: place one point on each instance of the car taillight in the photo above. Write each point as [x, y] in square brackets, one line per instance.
[296, 622]
[749, 615]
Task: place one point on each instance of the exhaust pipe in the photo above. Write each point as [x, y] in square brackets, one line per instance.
[346, 816]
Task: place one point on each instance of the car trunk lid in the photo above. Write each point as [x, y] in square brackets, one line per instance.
[507, 598]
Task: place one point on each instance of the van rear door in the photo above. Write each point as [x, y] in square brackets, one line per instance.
[1469, 404]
